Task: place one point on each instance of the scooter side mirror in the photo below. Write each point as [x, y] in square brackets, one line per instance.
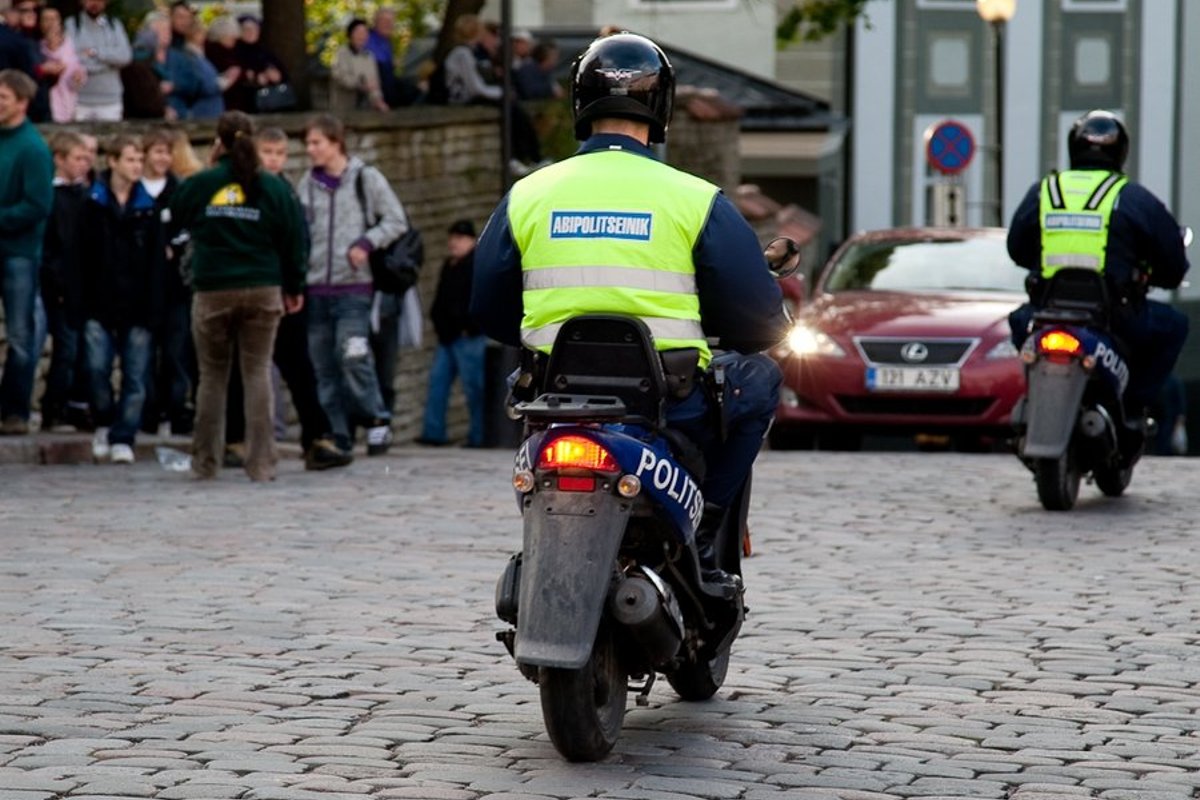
[783, 257]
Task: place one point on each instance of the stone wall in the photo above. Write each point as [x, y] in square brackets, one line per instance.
[444, 164]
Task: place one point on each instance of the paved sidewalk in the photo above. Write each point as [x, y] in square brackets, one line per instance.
[919, 627]
[76, 448]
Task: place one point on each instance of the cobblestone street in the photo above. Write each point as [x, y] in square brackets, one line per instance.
[919, 627]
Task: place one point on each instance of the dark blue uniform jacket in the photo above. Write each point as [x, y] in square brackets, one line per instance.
[1142, 236]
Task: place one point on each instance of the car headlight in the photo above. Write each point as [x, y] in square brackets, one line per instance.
[1004, 349]
[804, 341]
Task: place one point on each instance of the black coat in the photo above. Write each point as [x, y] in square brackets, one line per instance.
[61, 278]
[123, 258]
[451, 310]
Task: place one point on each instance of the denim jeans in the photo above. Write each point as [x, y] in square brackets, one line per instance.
[64, 355]
[339, 332]
[133, 346]
[173, 372]
[20, 288]
[463, 358]
[751, 396]
[250, 318]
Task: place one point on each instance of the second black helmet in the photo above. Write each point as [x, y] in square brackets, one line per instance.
[624, 76]
[1098, 140]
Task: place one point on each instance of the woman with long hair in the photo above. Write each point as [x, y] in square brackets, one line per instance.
[249, 255]
[56, 47]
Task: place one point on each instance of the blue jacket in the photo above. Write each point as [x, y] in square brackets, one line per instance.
[197, 90]
[1142, 236]
[740, 303]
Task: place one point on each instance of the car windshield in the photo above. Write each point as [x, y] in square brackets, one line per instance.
[974, 265]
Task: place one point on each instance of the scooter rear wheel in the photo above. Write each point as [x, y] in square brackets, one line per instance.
[584, 708]
[1113, 480]
[700, 680]
[1057, 481]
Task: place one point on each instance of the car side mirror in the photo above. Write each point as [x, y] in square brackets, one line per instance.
[783, 257]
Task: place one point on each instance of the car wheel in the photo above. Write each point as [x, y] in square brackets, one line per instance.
[791, 437]
[972, 443]
[846, 439]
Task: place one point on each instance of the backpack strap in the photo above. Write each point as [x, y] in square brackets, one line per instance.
[360, 191]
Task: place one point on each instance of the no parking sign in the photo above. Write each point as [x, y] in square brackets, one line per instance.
[949, 146]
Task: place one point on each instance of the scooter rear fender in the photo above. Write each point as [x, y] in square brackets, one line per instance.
[1052, 407]
[569, 560]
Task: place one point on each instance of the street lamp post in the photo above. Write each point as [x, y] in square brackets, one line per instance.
[997, 13]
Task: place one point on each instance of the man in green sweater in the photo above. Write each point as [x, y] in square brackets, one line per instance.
[26, 197]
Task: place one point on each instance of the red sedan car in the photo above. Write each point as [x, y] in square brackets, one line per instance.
[907, 332]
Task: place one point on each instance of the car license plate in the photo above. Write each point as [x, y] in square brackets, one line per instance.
[912, 379]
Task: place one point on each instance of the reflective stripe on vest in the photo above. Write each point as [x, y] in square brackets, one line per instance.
[1076, 209]
[591, 246]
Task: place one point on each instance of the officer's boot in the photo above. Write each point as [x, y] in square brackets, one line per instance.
[706, 545]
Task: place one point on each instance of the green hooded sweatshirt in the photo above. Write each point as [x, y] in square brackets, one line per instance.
[241, 239]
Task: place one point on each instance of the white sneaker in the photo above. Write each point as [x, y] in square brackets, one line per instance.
[100, 447]
[379, 439]
[122, 454]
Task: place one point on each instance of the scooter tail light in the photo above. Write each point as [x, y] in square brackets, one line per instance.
[576, 452]
[1060, 342]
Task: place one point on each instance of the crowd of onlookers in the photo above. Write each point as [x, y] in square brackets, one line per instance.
[99, 261]
[88, 67]
[175, 67]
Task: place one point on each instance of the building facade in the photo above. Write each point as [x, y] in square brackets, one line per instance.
[740, 33]
[920, 62]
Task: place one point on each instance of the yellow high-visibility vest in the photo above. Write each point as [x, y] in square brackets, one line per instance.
[611, 232]
[1075, 211]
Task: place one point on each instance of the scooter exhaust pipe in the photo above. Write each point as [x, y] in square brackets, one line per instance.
[645, 610]
[1095, 423]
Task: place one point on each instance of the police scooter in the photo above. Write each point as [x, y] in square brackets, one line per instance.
[1072, 421]
[609, 587]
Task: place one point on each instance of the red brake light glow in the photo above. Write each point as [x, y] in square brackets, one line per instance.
[576, 452]
[1060, 342]
[567, 483]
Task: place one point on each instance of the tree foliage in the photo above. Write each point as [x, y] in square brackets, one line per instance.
[327, 20]
[812, 20]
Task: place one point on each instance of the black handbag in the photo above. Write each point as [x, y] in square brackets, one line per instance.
[396, 266]
[276, 97]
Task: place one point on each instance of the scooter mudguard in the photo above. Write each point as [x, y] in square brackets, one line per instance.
[570, 554]
[1052, 407]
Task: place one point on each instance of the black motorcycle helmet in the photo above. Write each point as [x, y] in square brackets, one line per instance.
[624, 76]
[1098, 140]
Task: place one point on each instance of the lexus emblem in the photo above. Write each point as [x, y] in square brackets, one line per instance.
[914, 352]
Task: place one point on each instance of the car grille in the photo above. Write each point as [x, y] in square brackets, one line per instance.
[940, 351]
[916, 406]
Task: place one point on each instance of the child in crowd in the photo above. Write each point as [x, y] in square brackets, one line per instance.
[461, 346]
[290, 356]
[60, 275]
[124, 255]
[171, 380]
